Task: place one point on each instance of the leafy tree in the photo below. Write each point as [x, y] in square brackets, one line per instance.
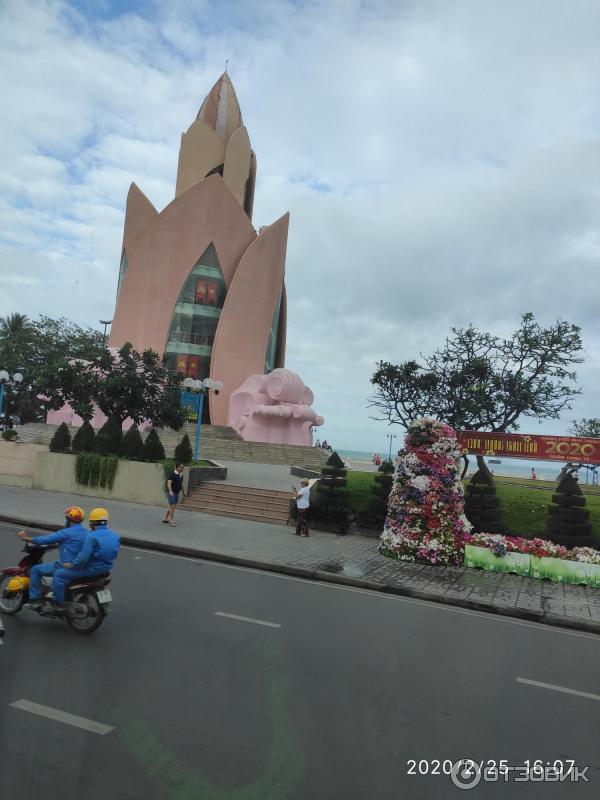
[183, 452]
[61, 441]
[590, 428]
[39, 349]
[122, 383]
[84, 440]
[132, 444]
[477, 381]
[108, 438]
[15, 329]
[153, 449]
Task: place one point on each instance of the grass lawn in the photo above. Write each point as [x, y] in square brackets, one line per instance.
[524, 506]
[359, 486]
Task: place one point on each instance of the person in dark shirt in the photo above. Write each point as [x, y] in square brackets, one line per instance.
[174, 487]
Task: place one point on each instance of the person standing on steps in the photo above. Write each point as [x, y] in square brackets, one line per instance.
[174, 488]
[302, 499]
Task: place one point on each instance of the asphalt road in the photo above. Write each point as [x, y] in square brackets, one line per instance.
[333, 698]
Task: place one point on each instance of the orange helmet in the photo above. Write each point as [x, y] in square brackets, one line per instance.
[75, 514]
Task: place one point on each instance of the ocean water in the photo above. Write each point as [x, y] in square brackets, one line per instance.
[508, 467]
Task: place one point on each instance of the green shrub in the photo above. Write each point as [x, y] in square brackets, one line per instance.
[183, 452]
[168, 467]
[93, 469]
[374, 515]
[9, 435]
[482, 506]
[61, 441]
[332, 495]
[131, 444]
[153, 450]
[84, 439]
[108, 438]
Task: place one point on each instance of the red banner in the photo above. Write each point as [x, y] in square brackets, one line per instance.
[522, 445]
[182, 364]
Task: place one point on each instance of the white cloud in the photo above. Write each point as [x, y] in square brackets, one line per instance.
[440, 162]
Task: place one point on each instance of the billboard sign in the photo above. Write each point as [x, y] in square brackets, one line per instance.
[535, 446]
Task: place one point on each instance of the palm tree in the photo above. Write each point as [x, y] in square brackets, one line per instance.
[14, 327]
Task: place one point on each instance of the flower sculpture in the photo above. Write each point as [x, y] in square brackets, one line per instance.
[274, 408]
[426, 519]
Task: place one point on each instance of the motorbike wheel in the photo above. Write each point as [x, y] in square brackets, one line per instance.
[10, 605]
[94, 618]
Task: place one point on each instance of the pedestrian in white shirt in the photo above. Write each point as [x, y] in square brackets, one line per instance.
[302, 499]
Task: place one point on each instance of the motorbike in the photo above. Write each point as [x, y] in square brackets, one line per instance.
[88, 598]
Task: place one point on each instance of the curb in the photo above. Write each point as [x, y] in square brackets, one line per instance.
[552, 620]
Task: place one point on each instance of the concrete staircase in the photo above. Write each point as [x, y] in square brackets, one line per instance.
[216, 443]
[242, 502]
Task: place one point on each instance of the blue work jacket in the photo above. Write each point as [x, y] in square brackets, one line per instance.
[99, 551]
[70, 541]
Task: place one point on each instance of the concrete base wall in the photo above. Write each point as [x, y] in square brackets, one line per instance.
[134, 481]
[17, 460]
[25, 481]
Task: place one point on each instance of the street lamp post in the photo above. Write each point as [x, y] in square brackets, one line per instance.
[194, 395]
[5, 380]
[391, 437]
[106, 323]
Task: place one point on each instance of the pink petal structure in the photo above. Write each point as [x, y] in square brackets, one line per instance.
[197, 283]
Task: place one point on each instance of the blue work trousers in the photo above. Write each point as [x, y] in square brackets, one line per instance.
[61, 579]
[64, 577]
[35, 578]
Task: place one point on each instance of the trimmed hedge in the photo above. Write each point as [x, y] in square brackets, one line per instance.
[153, 449]
[131, 444]
[108, 438]
[85, 439]
[183, 452]
[61, 441]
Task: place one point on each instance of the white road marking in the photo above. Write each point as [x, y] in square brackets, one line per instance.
[248, 619]
[373, 593]
[556, 688]
[137, 558]
[63, 716]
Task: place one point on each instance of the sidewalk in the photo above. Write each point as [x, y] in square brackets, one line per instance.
[350, 560]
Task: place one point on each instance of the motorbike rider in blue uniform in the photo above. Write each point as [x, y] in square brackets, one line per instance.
[97, 555]
[70, 541]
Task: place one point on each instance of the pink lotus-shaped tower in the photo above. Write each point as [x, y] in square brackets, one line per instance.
[197, 283]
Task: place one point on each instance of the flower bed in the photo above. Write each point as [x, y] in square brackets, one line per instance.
[545, 559]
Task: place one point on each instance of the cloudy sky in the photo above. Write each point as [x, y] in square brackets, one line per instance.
[440, 160]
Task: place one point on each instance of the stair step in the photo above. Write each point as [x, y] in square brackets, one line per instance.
[238, 515]
[253, 505]
[235, 489]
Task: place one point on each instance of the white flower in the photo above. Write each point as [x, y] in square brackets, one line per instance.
[421, 482]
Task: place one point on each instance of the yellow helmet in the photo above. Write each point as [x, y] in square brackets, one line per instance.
[99, 515]
[75, 514]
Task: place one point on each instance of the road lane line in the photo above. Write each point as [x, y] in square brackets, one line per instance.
[62, 716]
[248, 619]
[556, 688]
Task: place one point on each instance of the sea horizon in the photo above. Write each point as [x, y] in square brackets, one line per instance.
[507, 468]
